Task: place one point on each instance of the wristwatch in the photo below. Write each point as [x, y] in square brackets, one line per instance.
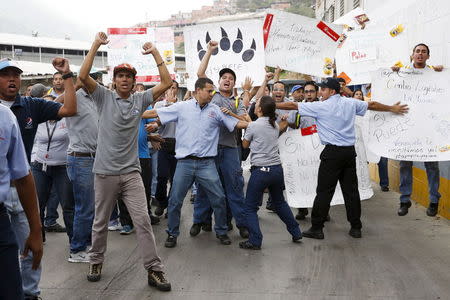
[67, 76]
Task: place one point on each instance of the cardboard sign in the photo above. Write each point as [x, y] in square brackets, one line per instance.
[423, 134]
[125, 46]
[240, 49]
[297, 43]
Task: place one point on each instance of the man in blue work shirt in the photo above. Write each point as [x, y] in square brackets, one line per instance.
[197, 135]
[228, 159]
[30, 112]
[14, 169]
[335, 118]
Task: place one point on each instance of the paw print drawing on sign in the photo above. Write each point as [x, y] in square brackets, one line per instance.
[225, 45]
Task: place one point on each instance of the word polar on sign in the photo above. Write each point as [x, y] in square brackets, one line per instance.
[300, 156]
[240, 49]
[300, 44]
[423, 134]
[125, 46]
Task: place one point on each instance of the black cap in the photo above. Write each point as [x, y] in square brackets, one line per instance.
[227, 70]
[331, 83]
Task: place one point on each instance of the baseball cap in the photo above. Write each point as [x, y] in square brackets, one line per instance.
[9, 63]
[296, 87]
[331, 83]
[227, 70]
[39, 90]
[124, 67]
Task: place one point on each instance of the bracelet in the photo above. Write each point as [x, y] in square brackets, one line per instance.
[67, 76]
[160, 64]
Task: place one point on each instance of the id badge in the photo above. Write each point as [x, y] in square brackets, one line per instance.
[44, 167]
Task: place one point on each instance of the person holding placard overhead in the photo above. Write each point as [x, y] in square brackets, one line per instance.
[419, 58]
[335, 118]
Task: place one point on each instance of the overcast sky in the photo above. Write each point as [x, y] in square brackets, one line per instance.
[81, 19]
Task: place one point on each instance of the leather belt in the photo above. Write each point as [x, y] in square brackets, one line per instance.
[198, 158]
[82, 154]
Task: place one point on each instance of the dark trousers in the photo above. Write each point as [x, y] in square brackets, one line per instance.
[337, 164]
[146, 175]
[167, 164]
[10, 279]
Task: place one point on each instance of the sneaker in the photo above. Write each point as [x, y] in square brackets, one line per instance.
[224, 239]
[55, 228]
[207, 227]
[159, 211]
[154, 219]
[403, 209]
[302, 213]
[32, 297]
[355, 233]
[243, 232]
[249, 246]
[79, 257]
[385, 188]
[195, 229]
[297, 239]
[171, 241]
[114, 225]
[432, 209]
[126, 230]
[158, 280]
[314, 234]
[95, 272]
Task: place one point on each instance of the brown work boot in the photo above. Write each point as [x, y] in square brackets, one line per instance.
[158, 280]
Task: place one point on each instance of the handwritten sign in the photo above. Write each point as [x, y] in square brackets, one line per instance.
[300, 157]
[424, 133]
[125, 46]
[240, 49]
[358, 55]
[295, 43]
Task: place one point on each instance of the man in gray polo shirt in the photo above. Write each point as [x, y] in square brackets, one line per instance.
[116, 165]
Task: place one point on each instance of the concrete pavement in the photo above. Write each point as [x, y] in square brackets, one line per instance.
[397, 258]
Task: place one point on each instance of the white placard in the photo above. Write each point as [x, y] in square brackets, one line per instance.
[300, 156]
[423, 134]
[363, 54]
[240, 49]
[125, 46]
[295, 43]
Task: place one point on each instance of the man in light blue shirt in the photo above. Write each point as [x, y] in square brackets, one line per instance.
[335, 118]
[197, 136]
[14, 168]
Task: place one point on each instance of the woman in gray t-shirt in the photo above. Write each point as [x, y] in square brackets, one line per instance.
[266, 172]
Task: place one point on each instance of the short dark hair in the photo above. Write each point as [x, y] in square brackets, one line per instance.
[176, 82]
[280, 82]
[57, 72]
[421, 44]
[201, 83]
[313, 83]
[140, 83]
[268, 107]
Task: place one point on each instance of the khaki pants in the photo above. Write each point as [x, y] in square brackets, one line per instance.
[107, 190]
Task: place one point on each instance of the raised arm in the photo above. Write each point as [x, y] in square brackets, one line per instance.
[69, 108]
[287, 105]
[397, 108]
[166, 81]
[277, 74]
[212, 45]
[100, 39]
[247, 86]
[260, 93]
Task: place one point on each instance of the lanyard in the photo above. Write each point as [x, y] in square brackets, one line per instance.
[297, 120]
[50, 135]
[236, 102]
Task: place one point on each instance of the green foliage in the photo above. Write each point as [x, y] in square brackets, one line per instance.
[179, 49]
[301, 7]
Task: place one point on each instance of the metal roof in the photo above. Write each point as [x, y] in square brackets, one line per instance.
[44, 42]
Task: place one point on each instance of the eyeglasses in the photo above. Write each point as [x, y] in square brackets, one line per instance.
[278, 90]
[310, 91]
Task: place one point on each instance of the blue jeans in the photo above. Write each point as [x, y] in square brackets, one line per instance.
[383, 172]
[204, 173]
[55, 176]
[229, 166]
[406, 180]
[79, 170]
[51, 212]
[261, 178]
[10, 281]
[19, 222]
[167, 164]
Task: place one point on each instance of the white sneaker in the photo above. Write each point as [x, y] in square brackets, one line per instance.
[79, 257]
[114, 226]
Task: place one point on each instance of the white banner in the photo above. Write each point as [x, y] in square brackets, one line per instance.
[423, 134]
[125, 46]
[365, 51]
[240, 49]
[300, 156]
[295, 43]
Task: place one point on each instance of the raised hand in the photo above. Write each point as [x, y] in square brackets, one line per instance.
[61, 65]
[101, 38]
[247, 85]
[269, 76]
[149, 48]
[212, 45]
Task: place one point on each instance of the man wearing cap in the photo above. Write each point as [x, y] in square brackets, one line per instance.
[228, 158]
[116, 165]
[297, 93]
[335, 118]
[30, 112]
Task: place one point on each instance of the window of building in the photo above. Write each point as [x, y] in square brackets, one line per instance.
[341, 8]
[331, 14]
[356, 3]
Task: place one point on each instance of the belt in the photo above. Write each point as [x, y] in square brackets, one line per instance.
[344, 147]
[198, 158]
[82, 154]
